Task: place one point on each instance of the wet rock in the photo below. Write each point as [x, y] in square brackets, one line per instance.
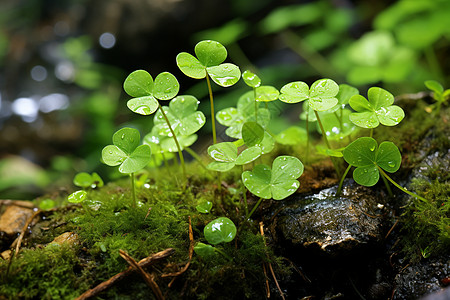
[333, 225]
[441, 295]
[421, 279]
[13, 219]
[70, 238]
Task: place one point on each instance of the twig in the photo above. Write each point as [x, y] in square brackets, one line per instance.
[392, 228]
[149, 279]
[261, 229]
[21, 203]
[143, 263]
[24, 229]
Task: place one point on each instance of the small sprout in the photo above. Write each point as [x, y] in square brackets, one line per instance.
[204, 207]
[278, 182]
[438, 93]
[77, 197]
[127, 154]
[378, 109]
[86, 180]
[47, 204]
[220, 230]
[244, 112]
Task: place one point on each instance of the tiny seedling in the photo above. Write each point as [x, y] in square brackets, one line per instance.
[127, 154]
[220, 230]
[261, 93]
[209, 63]
[146, 92]
[439, 94]
[378, 109]
[277, 182]
[245, 111]
[86, 180]
[370, 160]
[321, 97]
[204, 206]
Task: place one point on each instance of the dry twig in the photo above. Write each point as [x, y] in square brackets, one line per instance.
[24, 230]
[149, 279]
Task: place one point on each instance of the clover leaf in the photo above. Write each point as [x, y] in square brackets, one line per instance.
[366, 156]
[183, 117]
[126, 152]
[235, 117]
[77, 196]
[226, 156]
[378, 109]
[220, 230]
[209, 61]
[337, 125]
[266, 93]
[294, 135]
[204, 207]
[140, 85]
[321, 95]
[278, 182]
[251, 79]
[86, 180]
[161, 143]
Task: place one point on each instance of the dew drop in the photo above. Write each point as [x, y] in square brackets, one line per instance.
[123, 136]
[372, 148]
[391, 164]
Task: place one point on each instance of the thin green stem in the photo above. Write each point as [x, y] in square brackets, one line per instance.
[223, 253]
[133, 189]
[213, 117]
[400, 187]
[256, 105]
[433, 62]
[244, 192]
[338, 193]
[307, 134]
[387, 186]
[255, 207]
[180, 152]
[324, 135]
[196, 157]
[371, 132]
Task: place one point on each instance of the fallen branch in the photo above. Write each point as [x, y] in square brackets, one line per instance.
[143, 263]
[149, 279]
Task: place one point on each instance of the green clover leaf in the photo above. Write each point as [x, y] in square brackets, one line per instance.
[337, 125]
[77, 197]
[140, 85]
[278, 182]
[86, 180]
[226, 156]
[251, 79]
[294, 135]
[220, 230]
[378, 109]
[126, 152]
[209, 61]
[183, 117]
[366, 156]
[266, 93]
[234, 118]
[321, 95]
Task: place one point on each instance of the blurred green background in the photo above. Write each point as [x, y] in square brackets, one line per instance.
[62, 65]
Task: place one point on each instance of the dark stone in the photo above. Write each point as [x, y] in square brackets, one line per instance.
[333, 225]
[421, 279]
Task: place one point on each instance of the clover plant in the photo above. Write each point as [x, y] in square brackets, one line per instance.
[245, 111]
[378, 109]
[127, 154]
[86, 180]
[220, 230]
[261, 93]
[146, 92]
[277, 182]
[209, 63]
[439, 94]
[370, 160]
